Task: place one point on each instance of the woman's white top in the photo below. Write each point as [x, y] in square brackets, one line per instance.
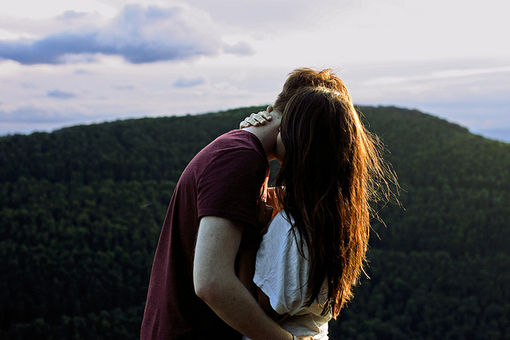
[282, 274]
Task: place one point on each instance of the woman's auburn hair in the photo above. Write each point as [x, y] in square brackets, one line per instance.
[332, 168]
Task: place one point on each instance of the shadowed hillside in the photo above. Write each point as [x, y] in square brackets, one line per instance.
[81, 209]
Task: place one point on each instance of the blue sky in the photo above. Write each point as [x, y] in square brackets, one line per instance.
[65, 62]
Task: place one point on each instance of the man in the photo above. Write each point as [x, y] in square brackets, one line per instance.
[194, 292]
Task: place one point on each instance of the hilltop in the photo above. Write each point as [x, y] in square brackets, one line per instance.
[81, 209]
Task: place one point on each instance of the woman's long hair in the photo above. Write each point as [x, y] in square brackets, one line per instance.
[329, 173]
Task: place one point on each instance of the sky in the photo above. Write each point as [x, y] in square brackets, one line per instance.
[71, 62]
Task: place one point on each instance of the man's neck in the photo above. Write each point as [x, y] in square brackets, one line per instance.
[267, 137]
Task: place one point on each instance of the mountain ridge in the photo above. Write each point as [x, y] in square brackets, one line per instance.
[81, 209]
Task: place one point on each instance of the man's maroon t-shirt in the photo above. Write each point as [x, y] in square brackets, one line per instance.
[224, 179]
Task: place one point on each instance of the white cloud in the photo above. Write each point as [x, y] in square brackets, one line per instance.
[138, 34]
[60, 94]
[188, 82]
[33, 9]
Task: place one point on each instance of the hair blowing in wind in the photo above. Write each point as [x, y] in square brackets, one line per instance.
[331, 170]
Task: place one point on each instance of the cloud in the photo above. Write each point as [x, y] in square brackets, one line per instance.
[138, 34]
[265, 15]
[28, 85]
[33, 118]
[71, 15]
[438, 75]
[60, 94]
[29, 119]
[240, 48]
[123, 87]
[188, 82]
[34, 115]
[81, 71]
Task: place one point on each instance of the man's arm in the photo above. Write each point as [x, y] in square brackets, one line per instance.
[216, 282]
[247, 254]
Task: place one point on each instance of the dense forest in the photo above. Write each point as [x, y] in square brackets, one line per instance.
[81, 210]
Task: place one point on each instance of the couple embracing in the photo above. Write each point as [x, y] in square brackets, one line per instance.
[219, 272]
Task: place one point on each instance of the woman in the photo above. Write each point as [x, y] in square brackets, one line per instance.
[314, 249]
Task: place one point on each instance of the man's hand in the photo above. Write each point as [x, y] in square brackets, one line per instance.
[256, 119]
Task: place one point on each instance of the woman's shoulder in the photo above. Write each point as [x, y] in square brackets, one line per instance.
[280, 225]
[283, 218]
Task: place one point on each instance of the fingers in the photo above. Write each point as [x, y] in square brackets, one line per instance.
[248, 121]
[264, 116]
[256, 119]
[261, 117]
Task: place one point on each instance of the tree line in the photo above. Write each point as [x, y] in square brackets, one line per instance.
[81, 209]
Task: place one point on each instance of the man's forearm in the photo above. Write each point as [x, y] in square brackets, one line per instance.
[216, 282]
[233, 303]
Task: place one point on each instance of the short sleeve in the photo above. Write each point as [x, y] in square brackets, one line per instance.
[231, 184]
[281, 271]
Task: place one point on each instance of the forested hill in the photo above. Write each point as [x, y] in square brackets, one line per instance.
[81, 209]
